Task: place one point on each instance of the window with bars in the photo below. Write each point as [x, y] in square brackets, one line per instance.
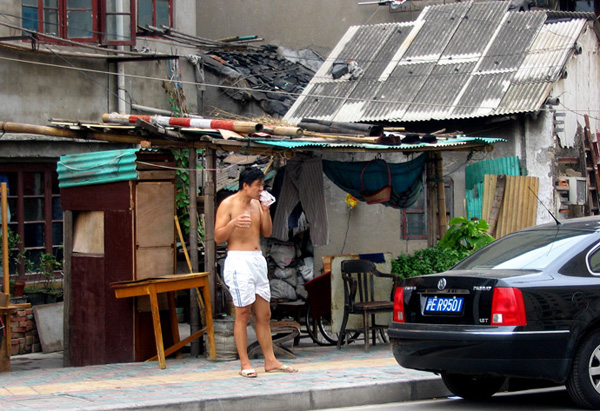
[35, 213]
[109, 22]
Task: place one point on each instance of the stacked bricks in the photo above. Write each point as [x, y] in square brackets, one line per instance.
[24, 336]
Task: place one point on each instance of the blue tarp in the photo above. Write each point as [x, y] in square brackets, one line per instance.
[406, 179]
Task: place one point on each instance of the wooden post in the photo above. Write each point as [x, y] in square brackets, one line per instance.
[6, 347]
[497, 203]
[441, 198]
[431, 199]
[210, 248]
[67, 288]
[193, 193]
[5, 250]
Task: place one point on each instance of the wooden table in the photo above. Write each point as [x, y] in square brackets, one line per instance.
[6, 347]
[169, 284]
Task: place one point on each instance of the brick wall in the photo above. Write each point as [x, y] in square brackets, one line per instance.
[24, 336]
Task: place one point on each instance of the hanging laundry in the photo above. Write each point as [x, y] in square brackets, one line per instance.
[303, 182]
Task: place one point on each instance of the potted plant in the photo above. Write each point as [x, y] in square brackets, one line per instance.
[48, 266]
[17, 258]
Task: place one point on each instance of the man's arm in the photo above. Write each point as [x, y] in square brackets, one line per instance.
[224, 225]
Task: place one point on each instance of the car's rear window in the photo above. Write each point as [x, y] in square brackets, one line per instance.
[529, 250]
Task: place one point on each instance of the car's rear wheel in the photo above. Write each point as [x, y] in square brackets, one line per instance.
[472, 387]
[583, 384]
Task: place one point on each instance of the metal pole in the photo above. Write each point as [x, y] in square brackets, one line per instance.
[5, 250]
[193, 193]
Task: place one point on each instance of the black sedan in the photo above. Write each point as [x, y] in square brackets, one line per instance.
[526, 307]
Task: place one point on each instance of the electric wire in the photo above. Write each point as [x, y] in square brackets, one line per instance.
[291, 94]
[193, 83]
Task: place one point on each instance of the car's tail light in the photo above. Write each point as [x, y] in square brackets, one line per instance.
[399, 305]
[508, 307]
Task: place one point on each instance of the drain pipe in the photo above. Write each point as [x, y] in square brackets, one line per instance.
[121, 91]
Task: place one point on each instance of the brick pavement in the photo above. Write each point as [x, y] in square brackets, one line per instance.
[327, 378]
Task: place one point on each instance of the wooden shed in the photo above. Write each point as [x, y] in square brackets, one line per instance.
[119, 226]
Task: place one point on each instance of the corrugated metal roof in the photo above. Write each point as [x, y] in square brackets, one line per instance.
[455, 61]
[454, 142]
[98, 167]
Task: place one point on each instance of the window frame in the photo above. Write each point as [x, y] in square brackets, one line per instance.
[171, 6]
[17, 194]
[449, 192]
[99, 22]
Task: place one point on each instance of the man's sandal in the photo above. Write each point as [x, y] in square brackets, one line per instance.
[249, 373]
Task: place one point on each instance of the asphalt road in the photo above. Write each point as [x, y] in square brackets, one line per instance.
[546, 399]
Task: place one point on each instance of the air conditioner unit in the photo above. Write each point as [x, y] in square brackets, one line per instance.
[577, 190]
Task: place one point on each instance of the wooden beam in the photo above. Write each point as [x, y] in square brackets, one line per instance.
[431, 199]
[441, 197]
[210, 248]
[196, 324]
[67, 287]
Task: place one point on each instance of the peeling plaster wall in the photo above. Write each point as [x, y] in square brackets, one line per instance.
[540, 161]
[579, 93]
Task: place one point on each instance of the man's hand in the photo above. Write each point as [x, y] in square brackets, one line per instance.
[243, 220]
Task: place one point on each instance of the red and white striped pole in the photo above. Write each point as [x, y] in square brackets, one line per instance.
[233, 125]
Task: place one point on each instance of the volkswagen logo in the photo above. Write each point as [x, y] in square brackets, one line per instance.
[441, 284]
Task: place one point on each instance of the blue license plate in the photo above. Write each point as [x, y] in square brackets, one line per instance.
[444, 304]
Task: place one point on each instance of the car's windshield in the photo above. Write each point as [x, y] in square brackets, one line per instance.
[529, 250]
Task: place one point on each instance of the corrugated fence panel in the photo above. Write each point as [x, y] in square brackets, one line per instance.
[474, 179]
[519, 205]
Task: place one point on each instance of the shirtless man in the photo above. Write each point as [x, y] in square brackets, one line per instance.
[240, 221]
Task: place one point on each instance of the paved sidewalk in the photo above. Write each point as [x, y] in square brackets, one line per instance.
[328, 378]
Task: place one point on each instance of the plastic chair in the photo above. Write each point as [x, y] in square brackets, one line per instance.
[359, 298]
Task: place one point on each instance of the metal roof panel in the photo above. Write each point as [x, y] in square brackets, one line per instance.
[477, 27]
[426, 76]
[440, 24]
[99, 167]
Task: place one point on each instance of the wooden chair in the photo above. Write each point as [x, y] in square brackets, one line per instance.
[359, 298]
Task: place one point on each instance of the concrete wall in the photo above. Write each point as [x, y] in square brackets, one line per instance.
[38, 86]
[297, 24]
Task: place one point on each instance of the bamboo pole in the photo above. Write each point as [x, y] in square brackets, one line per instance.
[284, 131]
[341, 137]
[5, 250]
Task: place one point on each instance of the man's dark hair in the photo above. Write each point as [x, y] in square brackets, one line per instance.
[249, 175]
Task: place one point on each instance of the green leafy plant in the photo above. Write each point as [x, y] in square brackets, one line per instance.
[462, 238]
[469, 235]
[48, 265]
[427, 261]
[182, 197]
[16, 255]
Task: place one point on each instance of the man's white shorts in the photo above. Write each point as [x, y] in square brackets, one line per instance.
[245, 275]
